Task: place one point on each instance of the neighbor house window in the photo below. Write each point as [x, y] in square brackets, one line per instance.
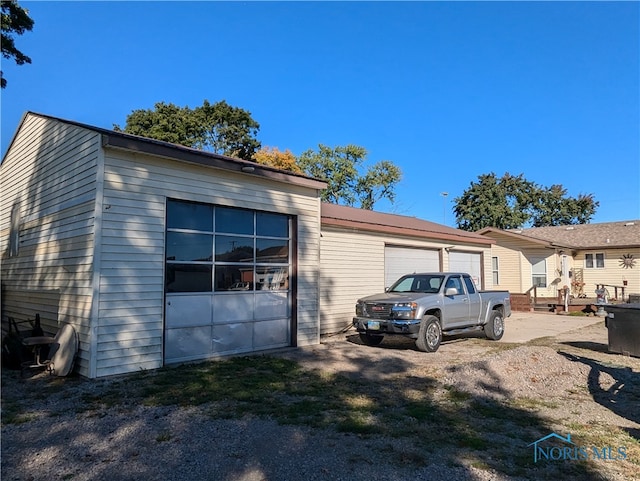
[539, 273]
[214, 248]
[494, 271]
[594, 261]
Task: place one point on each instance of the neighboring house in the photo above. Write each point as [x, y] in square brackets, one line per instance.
[159, 254]
[363, 252]
[141, 245]
[580, 257]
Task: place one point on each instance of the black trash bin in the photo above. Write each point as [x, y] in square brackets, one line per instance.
[623, 326]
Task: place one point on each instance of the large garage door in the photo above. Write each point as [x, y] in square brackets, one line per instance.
[468, 262]
[227, 281]
[399, 261]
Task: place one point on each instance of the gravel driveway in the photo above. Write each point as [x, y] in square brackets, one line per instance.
[565, 382]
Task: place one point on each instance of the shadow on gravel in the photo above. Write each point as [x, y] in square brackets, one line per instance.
[588, 345]
[406, 344]
[369, 427]
[616, 388]
[398, 343]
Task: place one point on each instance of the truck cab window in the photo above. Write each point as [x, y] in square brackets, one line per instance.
[456, 283]
[471, 288]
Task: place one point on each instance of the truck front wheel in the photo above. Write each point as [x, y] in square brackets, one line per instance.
[430, 334]
[494, 328]
[370, 339]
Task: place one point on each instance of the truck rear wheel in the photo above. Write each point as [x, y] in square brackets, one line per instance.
[494, 328]
[430, 334]
[371, 340]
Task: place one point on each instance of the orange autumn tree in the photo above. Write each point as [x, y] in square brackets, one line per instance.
[274, 157]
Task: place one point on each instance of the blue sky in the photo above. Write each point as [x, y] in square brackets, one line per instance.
[446, 90]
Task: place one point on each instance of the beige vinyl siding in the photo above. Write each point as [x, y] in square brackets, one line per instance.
[514, 257]
[307, 210]
[509, 272]
[513, 274]
[50, 173]
[352, 266]
[487, 270]
[131, 299]
[612, 274]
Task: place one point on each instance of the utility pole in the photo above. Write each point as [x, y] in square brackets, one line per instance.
[444, 207]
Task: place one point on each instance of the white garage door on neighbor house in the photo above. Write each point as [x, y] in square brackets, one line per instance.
[399, 261]
[469, 262]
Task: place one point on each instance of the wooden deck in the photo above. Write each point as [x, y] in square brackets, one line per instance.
[524, 303]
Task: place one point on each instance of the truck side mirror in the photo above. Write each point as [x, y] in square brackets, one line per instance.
[451, 291]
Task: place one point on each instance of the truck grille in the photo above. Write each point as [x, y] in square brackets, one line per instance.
[377, 311]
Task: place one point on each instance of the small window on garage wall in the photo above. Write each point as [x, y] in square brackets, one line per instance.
[494, 271]
[14, 233]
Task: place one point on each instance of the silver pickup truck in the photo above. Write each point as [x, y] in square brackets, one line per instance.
[424, 306]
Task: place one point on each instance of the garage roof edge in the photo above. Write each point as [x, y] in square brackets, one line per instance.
[180, 153]
[372, 221]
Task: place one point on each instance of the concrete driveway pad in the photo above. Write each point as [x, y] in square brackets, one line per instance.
[526, 326]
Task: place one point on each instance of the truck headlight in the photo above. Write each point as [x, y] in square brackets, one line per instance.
[360, 309]
[405, 310]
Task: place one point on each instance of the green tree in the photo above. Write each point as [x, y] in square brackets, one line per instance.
[166, 122]
[219, 127]
[378, 182]
[227, 130]
[512, 202]
[494, 202]
[15, 21]
[341, 168]
[554, 207]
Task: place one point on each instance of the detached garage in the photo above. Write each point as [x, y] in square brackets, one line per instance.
[158, 254]
[363, 252]
[153, 252]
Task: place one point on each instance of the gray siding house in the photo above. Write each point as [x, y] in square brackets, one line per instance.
[155, 253]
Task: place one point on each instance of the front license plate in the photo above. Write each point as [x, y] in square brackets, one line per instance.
[373, 325]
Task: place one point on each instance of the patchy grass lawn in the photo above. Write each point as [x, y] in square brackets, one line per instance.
[435, 419]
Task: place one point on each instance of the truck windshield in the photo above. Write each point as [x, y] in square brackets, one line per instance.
[418, 283]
